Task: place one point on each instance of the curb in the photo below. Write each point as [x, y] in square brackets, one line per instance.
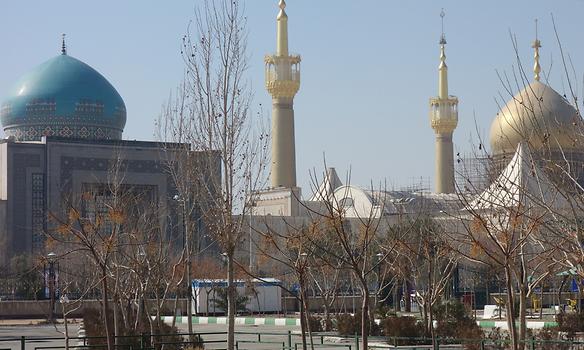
[257, 321]
[503, 324]
[291, 322]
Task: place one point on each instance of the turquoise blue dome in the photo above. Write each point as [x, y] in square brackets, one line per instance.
[63, 97]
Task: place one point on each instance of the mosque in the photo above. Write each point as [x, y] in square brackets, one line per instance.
[537, 123]
[63, 123]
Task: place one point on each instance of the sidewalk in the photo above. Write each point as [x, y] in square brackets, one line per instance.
[33, 322]
[257, 321]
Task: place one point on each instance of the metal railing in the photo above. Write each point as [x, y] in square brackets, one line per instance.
[274, 340]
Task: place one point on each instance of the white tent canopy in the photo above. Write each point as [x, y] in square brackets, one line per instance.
[522, 182]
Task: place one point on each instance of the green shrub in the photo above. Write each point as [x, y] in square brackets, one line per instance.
[383, 311]
[403, 327]
[455, 322]
[570, 323]
[549, 338]
[315, 323]
[498, 339]
[351, 325]
[94, 327]
[348, 325]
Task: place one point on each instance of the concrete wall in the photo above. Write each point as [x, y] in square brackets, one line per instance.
[13, 309]
[345, 303]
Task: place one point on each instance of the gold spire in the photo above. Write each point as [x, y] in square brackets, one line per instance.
[282, 35]
[442, 68]
[282, 5]
[536, 45]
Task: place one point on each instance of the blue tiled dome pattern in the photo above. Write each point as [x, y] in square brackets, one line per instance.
[63, 97]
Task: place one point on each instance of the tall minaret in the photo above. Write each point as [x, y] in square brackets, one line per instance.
[444, 118]
[283, 82]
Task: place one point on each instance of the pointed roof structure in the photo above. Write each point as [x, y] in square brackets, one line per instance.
[330, 183]
[522, 182]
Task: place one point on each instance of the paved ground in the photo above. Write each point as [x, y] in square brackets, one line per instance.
[31, 332]
[272, 337]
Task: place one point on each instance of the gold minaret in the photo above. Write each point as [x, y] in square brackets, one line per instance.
[444, 118]
[283, 82]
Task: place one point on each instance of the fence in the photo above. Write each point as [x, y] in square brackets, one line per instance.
[276, 340]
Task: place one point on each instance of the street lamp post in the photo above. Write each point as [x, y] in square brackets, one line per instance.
[51, 257]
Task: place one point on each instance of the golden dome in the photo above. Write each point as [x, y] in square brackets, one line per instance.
[538, 115]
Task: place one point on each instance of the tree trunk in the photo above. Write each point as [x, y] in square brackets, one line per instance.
[431, 321]
[510, 308]
[428, 301]
[364, 312]
[522, 316]
[407, 299]
[398, 289]
[158, 312]
[365, 318]
[106, 309]
[327, 315]
[188, 272]
[306, 312]
[174, 308]
[115, 311]
[231, 292]
[66, 328]
[303, 323]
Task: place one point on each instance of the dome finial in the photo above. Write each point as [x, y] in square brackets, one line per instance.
[536, 45]
[63, 45]
[282, 13]
[442, 37]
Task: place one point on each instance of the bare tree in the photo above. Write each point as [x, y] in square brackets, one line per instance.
[213, 116]
[431, 262]
[356, 243]
[286, 244]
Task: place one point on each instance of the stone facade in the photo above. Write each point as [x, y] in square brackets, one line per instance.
[37, 178]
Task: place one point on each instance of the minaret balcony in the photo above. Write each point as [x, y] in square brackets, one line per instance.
[282, 68]
[444, 114]
[282, 75]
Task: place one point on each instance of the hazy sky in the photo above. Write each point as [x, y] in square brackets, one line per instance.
[368, 67]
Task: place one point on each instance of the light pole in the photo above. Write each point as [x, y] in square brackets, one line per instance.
[51, 257]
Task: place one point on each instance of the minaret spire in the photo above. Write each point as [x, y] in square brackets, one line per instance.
[536, 45]
[442, 68]
[63, 45]
[444, 119]
[283, 82]
[282, 34]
